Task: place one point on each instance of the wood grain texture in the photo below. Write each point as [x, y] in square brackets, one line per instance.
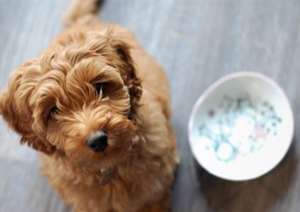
[197, 42]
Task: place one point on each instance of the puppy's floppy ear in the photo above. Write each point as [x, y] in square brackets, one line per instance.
[129, 72]
[14, 105]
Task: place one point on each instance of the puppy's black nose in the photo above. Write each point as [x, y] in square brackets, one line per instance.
[98, 141]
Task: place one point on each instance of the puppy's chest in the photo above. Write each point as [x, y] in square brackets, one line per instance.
[120, 194]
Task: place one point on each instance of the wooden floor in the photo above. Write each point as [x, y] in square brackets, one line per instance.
[197, 42]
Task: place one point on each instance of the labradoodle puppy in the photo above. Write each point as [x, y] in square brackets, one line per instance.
[97, 107]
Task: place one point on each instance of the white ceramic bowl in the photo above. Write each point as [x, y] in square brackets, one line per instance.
[241, 127]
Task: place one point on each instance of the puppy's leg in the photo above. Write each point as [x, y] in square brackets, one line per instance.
[81, 12]
[162, 206]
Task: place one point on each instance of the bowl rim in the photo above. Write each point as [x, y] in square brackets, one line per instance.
[216, 84]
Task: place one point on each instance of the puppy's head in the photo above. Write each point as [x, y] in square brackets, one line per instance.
[78, 99]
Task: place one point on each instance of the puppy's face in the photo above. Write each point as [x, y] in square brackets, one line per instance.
[77, 99]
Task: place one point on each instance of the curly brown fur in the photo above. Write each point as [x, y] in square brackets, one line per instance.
[52, 103]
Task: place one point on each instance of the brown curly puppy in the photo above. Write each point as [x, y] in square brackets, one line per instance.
[97, 106]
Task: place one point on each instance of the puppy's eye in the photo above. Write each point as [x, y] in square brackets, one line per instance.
[102, 89]
[98, 87]
[53, 111]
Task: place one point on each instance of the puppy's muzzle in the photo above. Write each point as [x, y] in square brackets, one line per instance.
[98, 141]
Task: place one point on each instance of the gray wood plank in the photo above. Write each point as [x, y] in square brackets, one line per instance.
[197, 42]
